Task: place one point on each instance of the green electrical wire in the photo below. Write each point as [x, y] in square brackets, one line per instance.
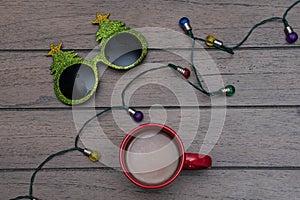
[223, 48]
[200, 88]
[230, 49]
[139, 75]
[173, 67]
[286, 12]
[94, 117]
[46, 161]
[253, 28]
[62, 152]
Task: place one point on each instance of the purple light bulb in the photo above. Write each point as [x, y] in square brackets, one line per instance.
[291, 36]
[136, 115]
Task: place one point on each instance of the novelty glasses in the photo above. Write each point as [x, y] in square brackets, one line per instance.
[76, 79]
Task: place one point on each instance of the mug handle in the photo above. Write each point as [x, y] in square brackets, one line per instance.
[196, 161]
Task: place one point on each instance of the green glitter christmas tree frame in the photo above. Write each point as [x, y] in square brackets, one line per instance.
[107, 30]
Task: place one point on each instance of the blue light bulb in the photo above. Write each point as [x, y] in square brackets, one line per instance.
[184, 23]
[183, 20]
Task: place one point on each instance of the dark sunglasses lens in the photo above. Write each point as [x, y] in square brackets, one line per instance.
[76, 81]
[123, 49]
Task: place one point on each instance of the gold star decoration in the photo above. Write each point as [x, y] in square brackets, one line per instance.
[100, 18]
[54, 49]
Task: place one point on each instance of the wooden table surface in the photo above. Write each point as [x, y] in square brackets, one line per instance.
[256, 156]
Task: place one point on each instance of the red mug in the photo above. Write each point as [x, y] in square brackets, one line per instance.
[152, 156]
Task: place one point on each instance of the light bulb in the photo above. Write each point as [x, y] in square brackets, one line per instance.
[291, 36]
[229, 90]
[93, 155]
[137, 116]
[184, 71]
[211, 40]
[184, 23]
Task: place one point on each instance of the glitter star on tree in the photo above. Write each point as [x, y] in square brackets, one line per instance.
[100, 18]
[54, 49]
[61, 59]
[107, 27]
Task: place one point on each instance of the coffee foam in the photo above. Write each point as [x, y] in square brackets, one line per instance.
[152, 157]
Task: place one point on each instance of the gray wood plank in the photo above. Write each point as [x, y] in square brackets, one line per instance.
[26, 80]
[255, 157]
[35, 24]
[249, 137]
[110, 184]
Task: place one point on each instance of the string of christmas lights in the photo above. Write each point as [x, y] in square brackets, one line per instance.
[212, 41]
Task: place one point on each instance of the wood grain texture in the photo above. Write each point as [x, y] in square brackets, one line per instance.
[260, 77]
[255, 157]
[250, 137]
[110, 184]
[36, 24]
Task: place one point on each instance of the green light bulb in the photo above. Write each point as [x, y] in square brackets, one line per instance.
[229, 90]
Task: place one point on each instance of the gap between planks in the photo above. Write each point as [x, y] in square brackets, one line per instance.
[4, 170]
